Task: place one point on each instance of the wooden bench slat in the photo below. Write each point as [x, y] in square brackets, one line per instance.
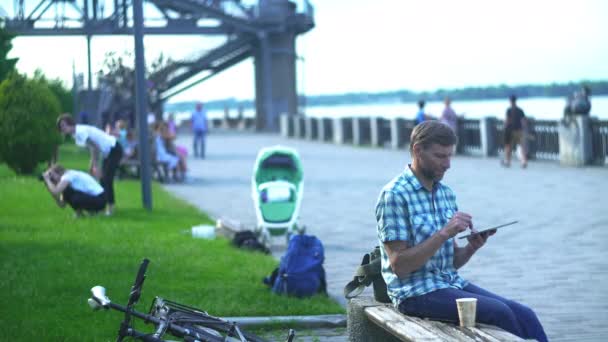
[390, 323]
[497, 333]
[388, 318]
[409, 328]
[448, 332]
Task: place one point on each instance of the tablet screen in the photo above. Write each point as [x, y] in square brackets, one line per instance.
[487, 229]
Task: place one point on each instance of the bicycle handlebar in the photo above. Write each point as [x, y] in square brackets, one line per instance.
[133, 298]
[139, 282]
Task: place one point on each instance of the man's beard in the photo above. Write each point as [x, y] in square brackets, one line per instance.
[430, 174]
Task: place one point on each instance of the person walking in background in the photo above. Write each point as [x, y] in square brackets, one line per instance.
[422, 116]
[448, 116]
[417, 221]
[199, 130]
[98, 142]
[516, 127]
[76, 188]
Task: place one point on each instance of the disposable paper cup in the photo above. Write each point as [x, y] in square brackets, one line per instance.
[467, 310]
[203, 231]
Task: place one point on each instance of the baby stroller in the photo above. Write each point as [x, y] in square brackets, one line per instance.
[277, 186]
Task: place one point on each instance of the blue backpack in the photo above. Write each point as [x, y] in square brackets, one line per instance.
[300, 272]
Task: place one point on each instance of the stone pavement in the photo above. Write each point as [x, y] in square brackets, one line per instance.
[553, 260]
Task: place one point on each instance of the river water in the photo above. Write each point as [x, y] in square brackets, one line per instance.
[540, 108]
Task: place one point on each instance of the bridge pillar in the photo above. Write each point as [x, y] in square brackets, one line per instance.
[275, 67]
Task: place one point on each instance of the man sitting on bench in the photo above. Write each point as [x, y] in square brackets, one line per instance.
[417, 220]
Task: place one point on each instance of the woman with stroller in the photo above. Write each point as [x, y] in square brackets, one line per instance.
[76, 188]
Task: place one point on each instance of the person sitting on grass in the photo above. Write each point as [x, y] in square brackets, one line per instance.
[76, 188]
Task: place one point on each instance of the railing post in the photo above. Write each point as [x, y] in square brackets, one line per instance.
[310, 125]
[357, 136]
[284, 123]
[374, 127]
[297, 127]
[338, 131]
[396, 137]
[321, 129]
[575, 141]
[487, 132]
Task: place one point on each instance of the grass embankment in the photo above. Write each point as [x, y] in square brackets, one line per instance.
[49, 260]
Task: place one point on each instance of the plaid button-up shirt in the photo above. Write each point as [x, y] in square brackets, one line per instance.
[406, 211]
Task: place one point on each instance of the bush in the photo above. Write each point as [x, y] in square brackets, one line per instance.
[28, 110]
[63, 94]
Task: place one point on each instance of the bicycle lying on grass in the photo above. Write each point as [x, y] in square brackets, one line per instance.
[188, 323]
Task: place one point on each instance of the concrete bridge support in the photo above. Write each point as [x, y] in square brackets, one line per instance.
[275, 67]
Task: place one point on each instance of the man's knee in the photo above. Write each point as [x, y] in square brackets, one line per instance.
[524, 312]
[496, 312]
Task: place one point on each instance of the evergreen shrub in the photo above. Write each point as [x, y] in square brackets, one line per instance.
[28, 136]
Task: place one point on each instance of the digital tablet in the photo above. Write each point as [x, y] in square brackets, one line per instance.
[487, 229]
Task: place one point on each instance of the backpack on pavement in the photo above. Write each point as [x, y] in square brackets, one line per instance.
[300, 272]
[370, 272]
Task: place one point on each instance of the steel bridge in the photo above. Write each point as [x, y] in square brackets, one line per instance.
[265, 31]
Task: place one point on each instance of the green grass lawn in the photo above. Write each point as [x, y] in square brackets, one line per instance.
[49, 260]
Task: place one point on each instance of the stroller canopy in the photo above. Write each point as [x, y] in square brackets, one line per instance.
[278, 163]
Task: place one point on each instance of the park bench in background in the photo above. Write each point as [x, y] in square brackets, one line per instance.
[370, 321]
[131, 167]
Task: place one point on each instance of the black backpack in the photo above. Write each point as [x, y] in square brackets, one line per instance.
[370, 272]
[248, 240]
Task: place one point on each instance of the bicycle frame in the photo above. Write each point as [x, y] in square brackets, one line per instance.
[182, 321]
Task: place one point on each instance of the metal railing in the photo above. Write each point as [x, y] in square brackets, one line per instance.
[543, 139]
[469, 136]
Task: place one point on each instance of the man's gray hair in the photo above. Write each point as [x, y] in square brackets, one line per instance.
[432, 132]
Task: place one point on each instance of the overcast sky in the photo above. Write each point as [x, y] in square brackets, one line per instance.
[363, 45]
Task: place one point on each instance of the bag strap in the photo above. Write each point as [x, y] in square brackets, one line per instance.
[364, 276]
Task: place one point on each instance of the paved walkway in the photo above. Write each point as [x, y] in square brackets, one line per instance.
[554, 260]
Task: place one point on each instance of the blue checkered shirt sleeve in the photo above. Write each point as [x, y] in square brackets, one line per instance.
[391, 215]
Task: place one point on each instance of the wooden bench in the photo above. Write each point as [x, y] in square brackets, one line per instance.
[160, 171]
[370, 321]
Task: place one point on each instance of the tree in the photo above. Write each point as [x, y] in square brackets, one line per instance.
[6, 64]
[28, 110]
[118, 76]
[63, 94]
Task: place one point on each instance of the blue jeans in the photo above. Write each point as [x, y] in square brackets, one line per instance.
[492, 309]
[198, 144]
